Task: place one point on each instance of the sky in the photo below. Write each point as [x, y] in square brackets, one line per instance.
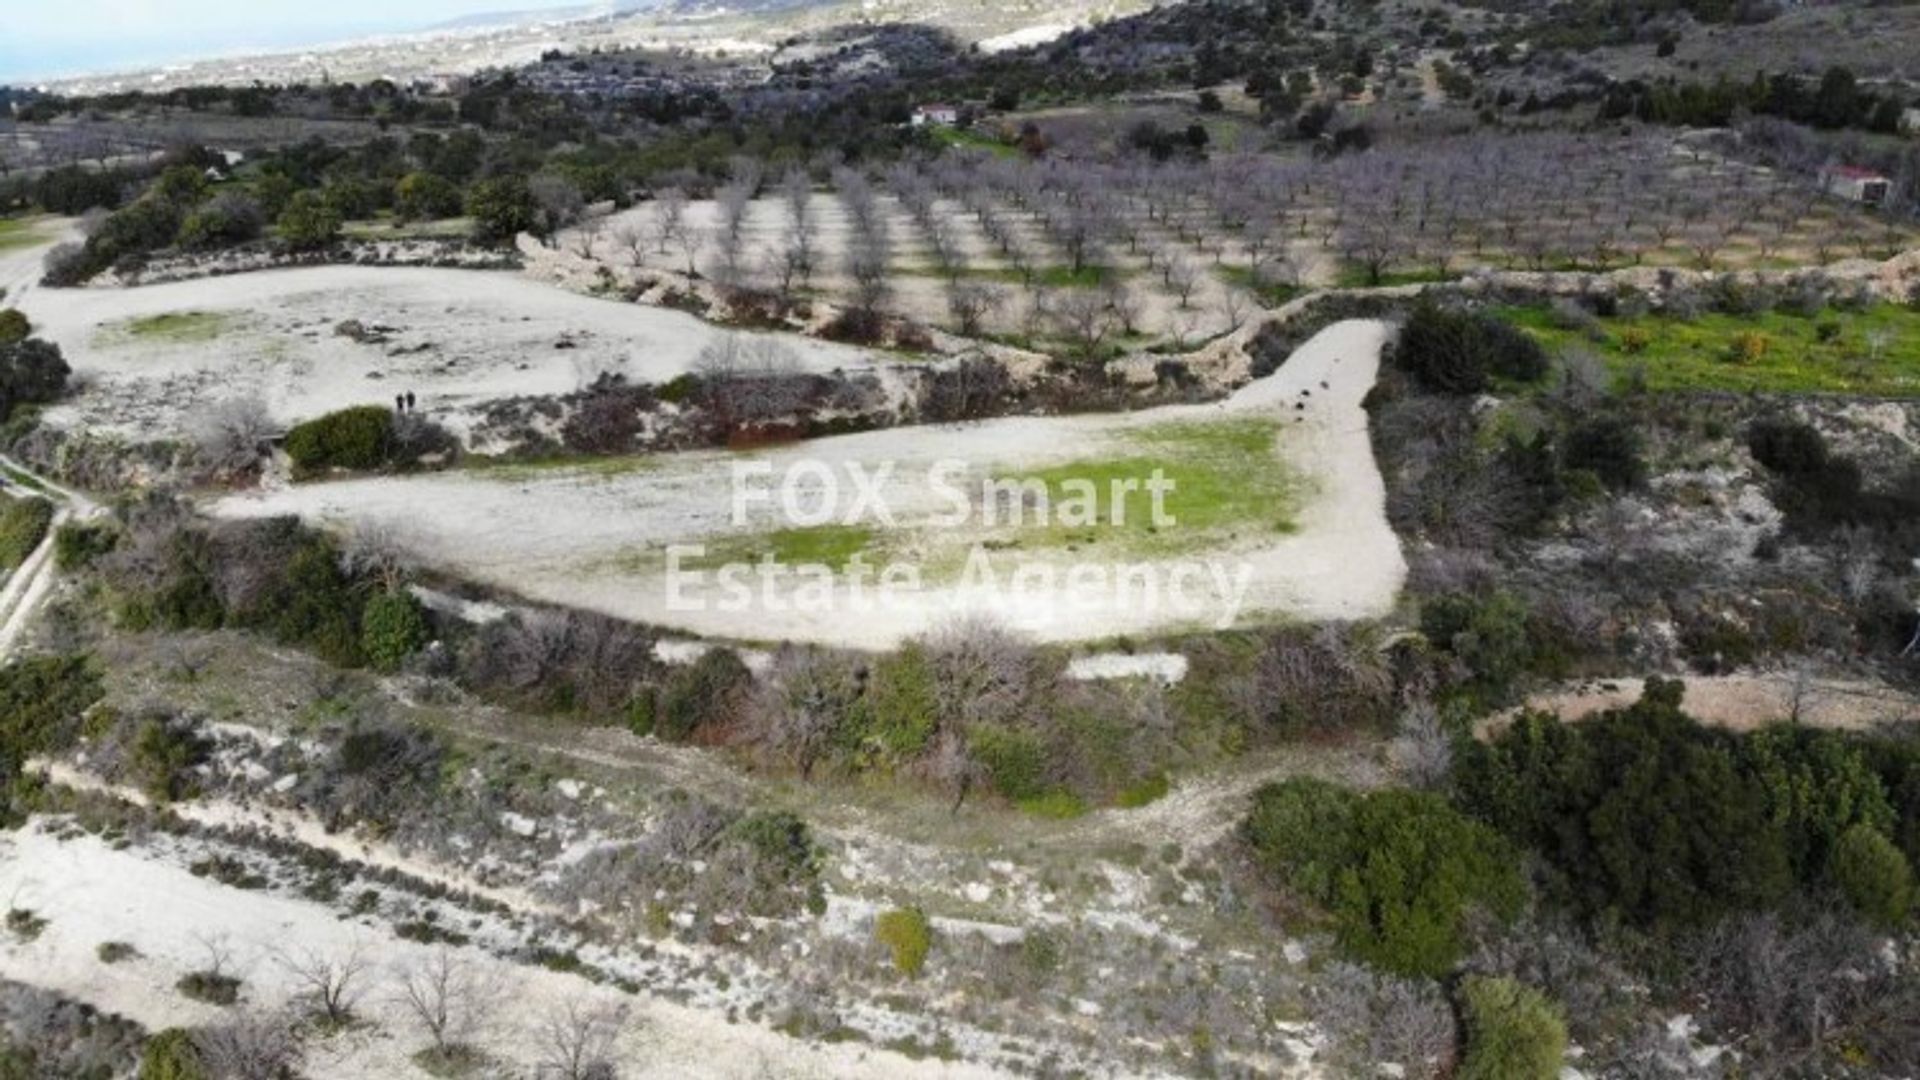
[40, 38]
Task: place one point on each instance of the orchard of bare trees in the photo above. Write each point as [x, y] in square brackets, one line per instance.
[1083, 256]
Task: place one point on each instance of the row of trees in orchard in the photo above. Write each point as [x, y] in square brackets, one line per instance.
[1536, 202]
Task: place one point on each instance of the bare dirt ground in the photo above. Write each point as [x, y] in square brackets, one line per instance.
[92, 892]
[1747, 701]
[1130, 889]
[457, 339]
[597, 539]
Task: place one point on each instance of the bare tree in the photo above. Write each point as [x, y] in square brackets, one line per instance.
[633, 240]
[968, 302]
[1124, 303]
[557, 203]
[452, 1003]
[1182, 275]
[803, 225]
[691, 243]
[579, 1040]
[1082, 316]
[331, 981]
[736, 202]
[1234, 305]
[669, 218]
[586, 237]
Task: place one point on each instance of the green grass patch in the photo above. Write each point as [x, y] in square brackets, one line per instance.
[1356, 277]
[22, 479]
[23, 525]
[1059, 277]
[965, 139]
[1873, 351]
[1143, 792]
[1223, 479]
[179, 327]
[831, 546]
[20, 232]
[386, 227]
[1270, 294]
[513, 470]
[1055, 806]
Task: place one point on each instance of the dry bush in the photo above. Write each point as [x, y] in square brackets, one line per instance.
[561, 660]
[1316, 681]
[251, 1046]
[970, 389]
[1423, 750]
[803, 702]
[232, 437]
[1373, 1019]
[607, 418]
[984, 673]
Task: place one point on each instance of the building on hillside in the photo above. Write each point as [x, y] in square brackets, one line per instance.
[445, 84]
[937, 115]
[1855, 184]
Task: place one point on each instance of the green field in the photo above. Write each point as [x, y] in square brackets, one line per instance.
[1874, 351]
[971, 140]
[19, 232]
[1057, 277]
[831, 546]
[178, 327]
[1226, 481]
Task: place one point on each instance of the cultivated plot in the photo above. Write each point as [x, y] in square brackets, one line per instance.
[1276, 510]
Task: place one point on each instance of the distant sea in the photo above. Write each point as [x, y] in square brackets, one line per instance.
[26, 63]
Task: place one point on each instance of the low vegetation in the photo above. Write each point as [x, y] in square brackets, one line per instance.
[1873, 349]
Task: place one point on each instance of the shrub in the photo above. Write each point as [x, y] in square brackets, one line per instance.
[1461, 352]
[23, 525]
[1014, 760]
[392, 628]
[1749, 348]
[172, 1055]
[32, 372]
[1488, 635]
[24, 924]
[41, 699]
[1610, 448]
[501, 209]
[1639, 813]
[278, 576]
[211, 987]
[77, 544]
[425, 195]
[309, 223]
[909, 936]
[13, 326]
[901, 705]
[1635, 340]
[707, 691]
[1512, 1032]
[164, 756]
[1400, 871]
[1874, 876]
[1300, 831]
[114, 952]
[356, 438]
